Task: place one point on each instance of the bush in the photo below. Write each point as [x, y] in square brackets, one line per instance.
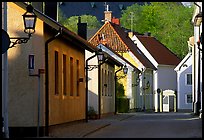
[122, 104]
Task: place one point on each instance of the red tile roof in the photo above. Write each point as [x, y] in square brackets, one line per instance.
[160, 52]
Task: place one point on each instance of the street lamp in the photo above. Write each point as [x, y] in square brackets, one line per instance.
[198, 19]
[29, 19]
[100, 57]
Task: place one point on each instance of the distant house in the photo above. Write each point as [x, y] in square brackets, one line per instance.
[60, 56]
[164, 77]
[102, 95]
[184, 83]
[113, 36]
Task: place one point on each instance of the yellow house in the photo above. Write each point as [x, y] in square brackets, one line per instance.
[58, 75]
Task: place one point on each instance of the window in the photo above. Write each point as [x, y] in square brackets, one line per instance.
[77, 62]
[188, 98]
[71, 76]
[188, 79]
[102, 82]
[64, 75]
[56, 74]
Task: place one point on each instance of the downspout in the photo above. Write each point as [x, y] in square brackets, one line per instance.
[47, 81]
[115, 89]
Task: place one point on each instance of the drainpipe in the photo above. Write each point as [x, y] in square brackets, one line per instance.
[115, 89]
[47, 81]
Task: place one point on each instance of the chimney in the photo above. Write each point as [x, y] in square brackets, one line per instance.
[108, 14]
[38, 5]
[115, 20]
[51, 10]
[82, 29]
[147, 34]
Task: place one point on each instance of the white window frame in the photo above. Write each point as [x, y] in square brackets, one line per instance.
[186, 101]
[186, 75]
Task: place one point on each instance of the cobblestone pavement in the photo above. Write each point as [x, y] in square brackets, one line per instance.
[106, 126]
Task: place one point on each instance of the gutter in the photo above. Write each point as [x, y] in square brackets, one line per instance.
[47, 81]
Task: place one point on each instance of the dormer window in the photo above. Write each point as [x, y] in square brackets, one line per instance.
[121, 7]
[93, 4]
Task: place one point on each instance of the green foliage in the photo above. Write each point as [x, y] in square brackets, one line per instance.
[120, 89]
[122, 105]
[169, 22]
[71, 23]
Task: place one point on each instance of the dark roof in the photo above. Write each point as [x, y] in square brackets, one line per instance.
[56, 25]
[94, 8]
[160, 52]
[133, 48]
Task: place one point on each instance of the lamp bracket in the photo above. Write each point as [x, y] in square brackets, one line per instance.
[91, 67]
[120, 77]
[18, 40]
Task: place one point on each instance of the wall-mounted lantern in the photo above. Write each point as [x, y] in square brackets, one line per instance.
[198, 19]
[29, 19]
[137, 82]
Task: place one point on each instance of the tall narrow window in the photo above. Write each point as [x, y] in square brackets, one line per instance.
[64, 74]
[78, 89]
[102, 75]
[111, 83]
[108, 85]
[189, 79]
[56, 74]
[71, 77]
[105, 84]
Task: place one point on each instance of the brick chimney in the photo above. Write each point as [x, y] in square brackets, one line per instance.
[115, 20]
[82, 29]
[51, 10]
[107, 14]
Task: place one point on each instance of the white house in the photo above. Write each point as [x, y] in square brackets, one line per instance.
[184, 83]
[100, 97]
[164, 77]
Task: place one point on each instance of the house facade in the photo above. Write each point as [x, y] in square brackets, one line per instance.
[58, 75]
[184, 83]
[117, 38]
[164, 61]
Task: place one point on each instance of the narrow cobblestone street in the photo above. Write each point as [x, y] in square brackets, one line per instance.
[135, 125]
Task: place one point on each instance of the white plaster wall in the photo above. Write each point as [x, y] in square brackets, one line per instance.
[92, 81]
[167, 77]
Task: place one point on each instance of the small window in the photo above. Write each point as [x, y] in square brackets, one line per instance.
[188, 79]
[188, 98]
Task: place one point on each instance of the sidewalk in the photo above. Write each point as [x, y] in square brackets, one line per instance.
[82, 129]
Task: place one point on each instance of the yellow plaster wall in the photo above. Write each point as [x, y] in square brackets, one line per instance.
[22, 88]
[66, 108]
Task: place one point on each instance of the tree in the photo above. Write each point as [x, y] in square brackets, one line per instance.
[71, 23]
[169, 22]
